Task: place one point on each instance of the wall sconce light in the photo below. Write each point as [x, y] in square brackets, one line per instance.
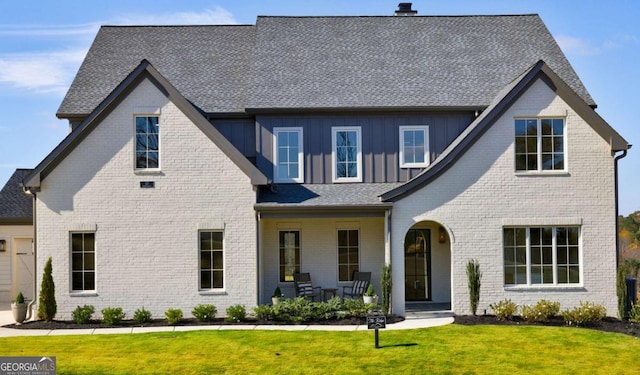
[442, 235]
[3, 244]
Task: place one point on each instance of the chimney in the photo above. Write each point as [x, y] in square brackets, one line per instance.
[404, 9]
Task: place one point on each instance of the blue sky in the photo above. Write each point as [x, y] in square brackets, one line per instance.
[42, 44]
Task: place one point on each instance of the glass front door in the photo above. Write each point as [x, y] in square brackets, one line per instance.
[417, 265]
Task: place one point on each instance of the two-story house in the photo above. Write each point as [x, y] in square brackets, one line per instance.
[208, 164]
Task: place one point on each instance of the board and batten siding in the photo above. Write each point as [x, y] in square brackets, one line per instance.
[380, 141]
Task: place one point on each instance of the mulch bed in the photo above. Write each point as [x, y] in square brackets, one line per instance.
[607, 324]
[66, 324]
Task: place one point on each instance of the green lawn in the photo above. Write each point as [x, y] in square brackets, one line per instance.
[452, 349]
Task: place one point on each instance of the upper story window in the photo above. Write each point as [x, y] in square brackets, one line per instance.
[289, 162]
[147, 142]
[540, 144]
[414, 146]
[347, 154]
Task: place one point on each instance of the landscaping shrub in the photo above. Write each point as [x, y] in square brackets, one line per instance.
[112, 315]
[356, 307]
[541, 312]
[585, 314]
[385, 285]
[295, 310]
[236, 314]
[47, 306]
[504, 310]
[82, 315]
[263, 312]
[174, 316]
[634, 314]
[142, 316]
[473, 280]
[205, 313]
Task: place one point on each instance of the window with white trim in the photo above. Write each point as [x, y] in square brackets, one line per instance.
[347, 154]
[289, 254]
[147, 142]
[288, 150]
[541, 255]
[211, 260]
[348, 253]
[540, 144]
[414, 146]
[83, 261]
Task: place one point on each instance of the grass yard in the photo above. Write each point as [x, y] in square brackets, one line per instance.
[452, 349]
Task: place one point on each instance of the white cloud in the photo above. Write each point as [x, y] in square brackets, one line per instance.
[40, 72]
[215, 16]
[49, 30]
[570, 44]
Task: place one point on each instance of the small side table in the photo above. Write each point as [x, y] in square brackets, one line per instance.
[328, 292]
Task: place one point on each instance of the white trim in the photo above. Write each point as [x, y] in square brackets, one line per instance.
[276, 159]
[224, 263]
[334, 131]
[425, 130]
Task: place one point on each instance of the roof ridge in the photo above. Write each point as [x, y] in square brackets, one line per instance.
[185, 26]
[417, 16]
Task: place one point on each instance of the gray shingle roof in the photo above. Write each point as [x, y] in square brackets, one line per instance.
[209, 65]
[326, 62]
[323, 195]
[397, 61]
[15, 205]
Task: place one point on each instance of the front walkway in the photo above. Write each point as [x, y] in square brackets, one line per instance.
[409, 323]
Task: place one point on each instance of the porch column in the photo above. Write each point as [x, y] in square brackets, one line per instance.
[387, 237]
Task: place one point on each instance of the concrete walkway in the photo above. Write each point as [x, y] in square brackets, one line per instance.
[409, 323]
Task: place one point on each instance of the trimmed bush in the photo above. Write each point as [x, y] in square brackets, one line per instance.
[263, 312]
[174, 316]
[112, 315]
[586, 314]
[504, 310]
[47, 306]
[142, 316]
[82, 315]
[541, 312]
[205, 313]
[385, 285]
[236, 314]
[473, 280]
[634, 313]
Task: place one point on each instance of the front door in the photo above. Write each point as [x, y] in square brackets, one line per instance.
[23, 267]
[417, 265]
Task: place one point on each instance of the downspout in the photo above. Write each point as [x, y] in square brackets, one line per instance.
[615, 168]
[35, 258]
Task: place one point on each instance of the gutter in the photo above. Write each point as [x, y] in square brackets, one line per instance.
[615, 168]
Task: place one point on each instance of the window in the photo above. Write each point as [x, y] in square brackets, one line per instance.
[542, 255]
[83, 265]
[147, 142]
[348, 253]
[540, 144]
[414, 146]
[289, 165]
[211, 260]
[289, 254]
[347, 154]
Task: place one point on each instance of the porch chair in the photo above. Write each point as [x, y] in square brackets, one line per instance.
[304, 287]
[360, 284]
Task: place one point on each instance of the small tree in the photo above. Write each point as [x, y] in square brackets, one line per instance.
[385, 287]
[47, 306]
[474, 275]
[629, 267]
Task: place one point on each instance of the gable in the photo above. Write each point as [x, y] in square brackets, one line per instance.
[144, 71]
[508, 96]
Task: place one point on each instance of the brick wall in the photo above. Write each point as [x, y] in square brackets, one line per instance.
[481, 193]
[147, 239]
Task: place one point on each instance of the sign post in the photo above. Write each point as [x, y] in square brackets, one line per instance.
[376, 322]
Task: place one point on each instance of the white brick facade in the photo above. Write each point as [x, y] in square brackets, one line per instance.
[481, 194]
[147, 239]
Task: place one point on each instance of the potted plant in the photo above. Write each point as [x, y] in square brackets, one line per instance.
[370, 296]
[277, 296]
[19, 308]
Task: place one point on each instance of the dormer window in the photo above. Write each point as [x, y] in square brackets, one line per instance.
[347, 154]
[414, 146]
